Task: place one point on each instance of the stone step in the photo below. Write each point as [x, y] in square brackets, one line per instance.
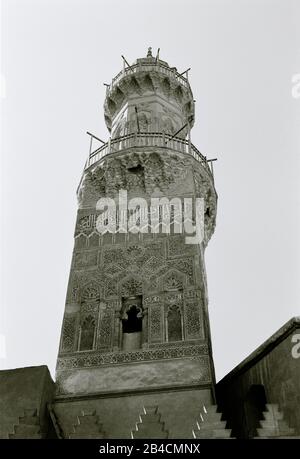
[21, 437]
[273, 425]
[213, 433]
[148, 433]
[269, 416]
[150, 417]
[212, 425]
[150, 425]
[29, 412]
[83, 429]
[88, 426]
[27, 429]
[87, 421]
[211, 417]
[29, 420]
[209, 424]
[96, 435]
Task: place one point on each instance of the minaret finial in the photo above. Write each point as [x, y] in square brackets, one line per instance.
[149, 54]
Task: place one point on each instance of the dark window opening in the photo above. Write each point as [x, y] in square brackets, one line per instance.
[133, 323]
[207, 212]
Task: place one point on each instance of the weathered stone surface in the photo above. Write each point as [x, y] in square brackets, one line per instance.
[150, 425]
[87, 426]
[273, 425]
[270, 375]
[173, 372]
[119, 412]
[24, 395]
[210, 425]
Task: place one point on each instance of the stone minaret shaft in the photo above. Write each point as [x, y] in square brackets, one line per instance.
[136, 320]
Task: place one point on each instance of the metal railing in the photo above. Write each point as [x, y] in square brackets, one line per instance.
[149, 139]
[145, 66]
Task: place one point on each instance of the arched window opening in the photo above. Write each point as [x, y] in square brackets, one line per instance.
[132, 324]
[174, 324]
[87, 334]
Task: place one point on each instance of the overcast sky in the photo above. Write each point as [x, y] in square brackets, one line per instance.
[243, 54]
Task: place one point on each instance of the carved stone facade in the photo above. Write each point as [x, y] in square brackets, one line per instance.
[136, 308]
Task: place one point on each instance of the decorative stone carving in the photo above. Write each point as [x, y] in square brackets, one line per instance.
[193, 326]
[177, 246]
[85, 259]
[155, 323]
[133, 171]
[143, 82]
[68, 334]
[90, 292]
[173, 283]
[173, 298]
[111, 289]
[105, 328]
[95, 358]
[185, 265]
[174, 323]
[131, 287]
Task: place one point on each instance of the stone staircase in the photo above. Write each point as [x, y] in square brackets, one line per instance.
[88, 426]
[209, 424]
[150, 425]
[28, 427]
[273, 425]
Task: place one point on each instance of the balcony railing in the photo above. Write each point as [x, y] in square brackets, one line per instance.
[145, 66]
[149, 139]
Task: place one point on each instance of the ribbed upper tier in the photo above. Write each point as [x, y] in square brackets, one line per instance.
[149, 96]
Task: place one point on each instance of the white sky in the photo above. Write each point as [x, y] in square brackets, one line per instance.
[243, 54]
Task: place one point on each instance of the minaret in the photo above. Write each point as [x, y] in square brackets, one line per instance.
[135, 351]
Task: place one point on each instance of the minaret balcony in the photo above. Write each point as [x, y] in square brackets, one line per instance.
[149, 65]
[147, 139]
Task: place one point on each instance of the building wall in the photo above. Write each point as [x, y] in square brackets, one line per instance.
[279, 374]
[161, 269]
[118, 414]
[23, 389]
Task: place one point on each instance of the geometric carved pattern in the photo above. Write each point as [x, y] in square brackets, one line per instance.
[172, 282]
[131, 287]
[185, 265]
[90, 292]
[68, 333]
[198, 351]
[84, 259]
[111, 289]
[88, 221]
[105, 328]
[156, 323]
[192, 321]
[177, 246]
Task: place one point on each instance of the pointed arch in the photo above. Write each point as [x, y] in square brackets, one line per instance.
[174, 324]
[87, 333]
